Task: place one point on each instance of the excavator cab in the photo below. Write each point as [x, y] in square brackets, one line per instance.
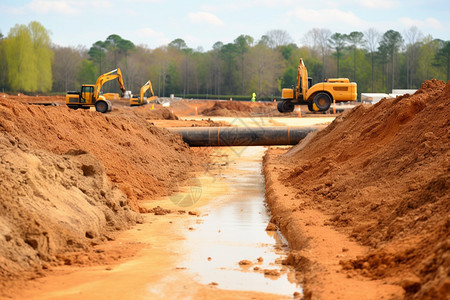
[87, 91]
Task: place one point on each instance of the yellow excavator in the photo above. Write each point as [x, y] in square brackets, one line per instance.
[141, 100]
[90, 94]
[319, 96]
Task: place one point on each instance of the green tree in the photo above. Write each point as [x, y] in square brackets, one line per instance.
[338, 41]
[389, 46]
[428, 51]
[20, 58]
[228, 56]
[29, 57]
[87, 72]
[243, 43]
[178, 44]
[118, 47]
[97, 55]
[355, 39]
[442, 57]
[3, 66]
[43, 55]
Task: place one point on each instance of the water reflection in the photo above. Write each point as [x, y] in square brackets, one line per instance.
[234, 230]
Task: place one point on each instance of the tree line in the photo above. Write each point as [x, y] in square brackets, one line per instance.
[377, 61]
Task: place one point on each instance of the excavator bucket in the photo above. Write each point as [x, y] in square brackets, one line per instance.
[152, 99]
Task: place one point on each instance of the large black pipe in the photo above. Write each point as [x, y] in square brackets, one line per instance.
[242, 136]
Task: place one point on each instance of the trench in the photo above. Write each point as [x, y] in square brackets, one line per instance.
[234, 230]
[186, 256]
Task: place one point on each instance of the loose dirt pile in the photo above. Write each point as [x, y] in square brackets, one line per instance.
[228, 109]
[381, 175]
[67, 178]
[144, 112]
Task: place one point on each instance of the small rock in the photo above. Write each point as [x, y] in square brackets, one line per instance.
[271, 227]
[268, 272]
[411, 284]
[245, 262]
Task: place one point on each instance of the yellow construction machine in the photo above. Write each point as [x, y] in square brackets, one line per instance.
[141, 100]
[319, 96]
[90, 94]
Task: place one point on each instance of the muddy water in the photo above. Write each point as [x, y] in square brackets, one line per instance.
[234, 230]
[173, 261]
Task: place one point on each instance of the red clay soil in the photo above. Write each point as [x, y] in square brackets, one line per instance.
[228, 109]
[70, 178]
[377, 177]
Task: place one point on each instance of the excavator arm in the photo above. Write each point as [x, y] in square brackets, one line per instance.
[107, 77]
[141, 100]
[302, 80]
[144, 88]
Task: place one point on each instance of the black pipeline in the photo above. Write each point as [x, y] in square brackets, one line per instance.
[242, 136]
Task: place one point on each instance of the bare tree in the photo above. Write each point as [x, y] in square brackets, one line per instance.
[317, 39]
[277, 38]
[323, 37]
[372, 38]
[267, 68]
[413, 36]
[66, 63]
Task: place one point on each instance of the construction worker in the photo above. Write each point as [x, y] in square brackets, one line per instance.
[253, 97]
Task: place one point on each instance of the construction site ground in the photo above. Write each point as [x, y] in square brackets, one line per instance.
[114, 206]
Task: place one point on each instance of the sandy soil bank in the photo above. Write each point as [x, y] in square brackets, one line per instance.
[365, 204]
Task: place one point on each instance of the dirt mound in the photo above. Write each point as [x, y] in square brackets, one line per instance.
[139, 157]
[68, 177]
[144, 112]
[59, 99]
[382, 175]
[51, 204]
[228, 109]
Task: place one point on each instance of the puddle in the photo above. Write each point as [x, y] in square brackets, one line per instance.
[234, 230]
[173, 262]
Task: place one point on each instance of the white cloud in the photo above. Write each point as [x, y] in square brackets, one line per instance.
[276, 4]
[149, 33]
[203, 17]
[153, 37]
[66, 7]
[60, 7]
[326, 17]
[145, 1]
[430, 23]
[100, 4]
[378, 4]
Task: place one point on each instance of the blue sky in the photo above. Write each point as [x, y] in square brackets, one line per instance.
[201, 23]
